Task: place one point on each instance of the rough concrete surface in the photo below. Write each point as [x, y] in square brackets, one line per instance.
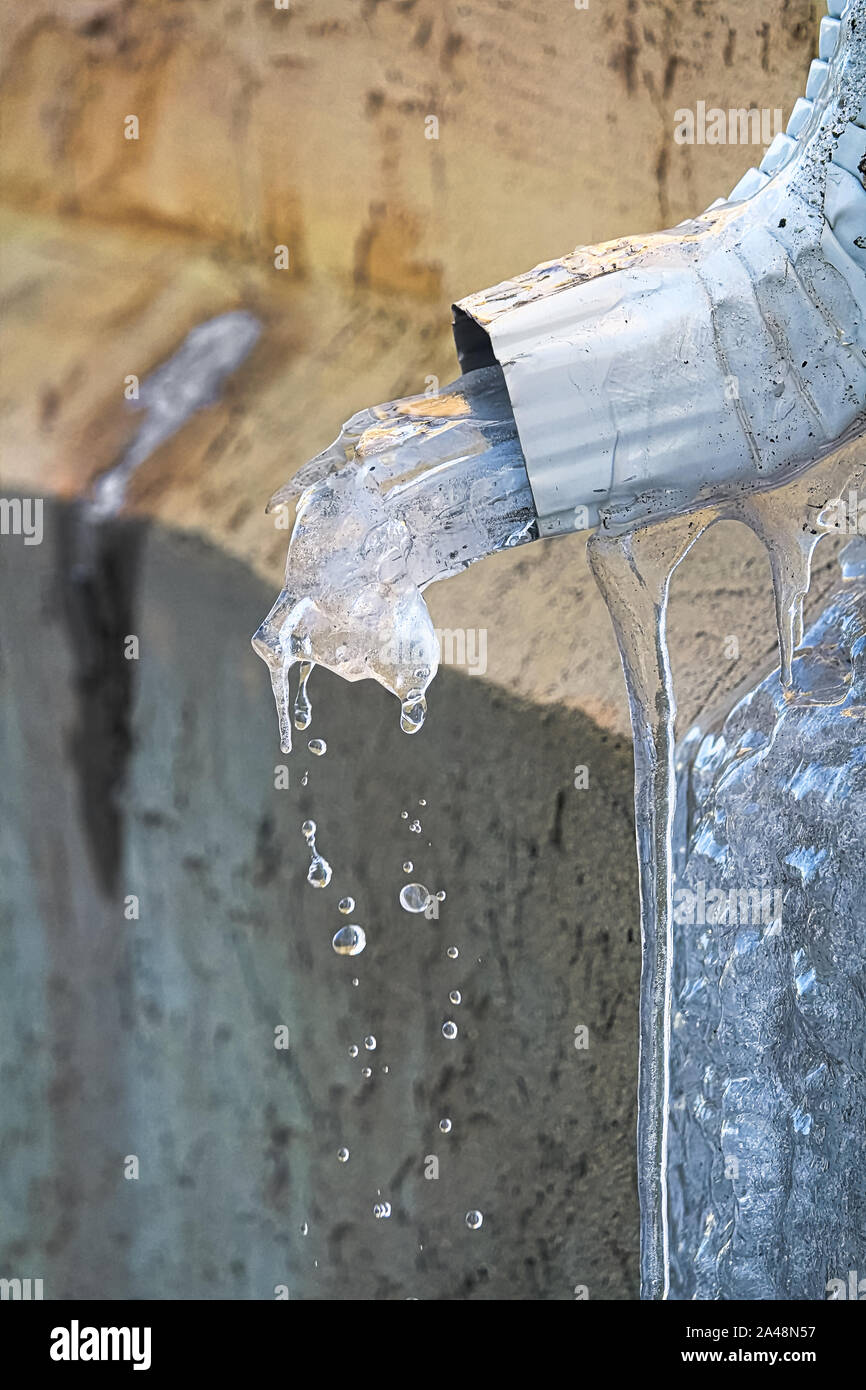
[155, 1037]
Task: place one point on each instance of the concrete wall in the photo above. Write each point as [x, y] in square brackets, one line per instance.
[154, 1037]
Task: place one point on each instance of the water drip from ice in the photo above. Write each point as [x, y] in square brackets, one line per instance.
[410, 493]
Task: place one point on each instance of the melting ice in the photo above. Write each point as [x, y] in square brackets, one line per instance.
[411, 492]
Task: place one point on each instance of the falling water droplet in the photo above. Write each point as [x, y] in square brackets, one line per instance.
[305, 779]
[370, 1043]
[304, 1228]
[422, 802]
[303, 709]
[449, 1030]
[474, 1220]
[413, 712]
[404, 815]
[456, 997]
[318, 747]
[319, 872]
[440, 896]
[343, 1155]
[356, 981]
[414, 897]
[353, 1050]
[346, 905]
[445, 1126]
[366, 1072]
[382, 1210]
[415, 827]
[349, 941]
[452, 952]
[408, 866]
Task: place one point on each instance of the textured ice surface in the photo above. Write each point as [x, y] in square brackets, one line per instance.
[411, 492]
[767, 1140]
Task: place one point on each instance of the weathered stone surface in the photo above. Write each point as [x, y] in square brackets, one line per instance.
[307, 125]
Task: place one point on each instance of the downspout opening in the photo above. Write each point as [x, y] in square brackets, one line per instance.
[474, 348]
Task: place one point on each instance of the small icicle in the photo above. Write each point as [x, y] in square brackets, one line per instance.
[413, 711]
[790, 520]
[303, 708]
[790, 545]
[280, 687]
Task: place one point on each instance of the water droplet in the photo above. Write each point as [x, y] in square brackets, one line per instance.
[305, 779]
[356, 981]
[319, 872]
[346, 905]
[440, 896]
[449, 1030]
[382, 1210]
[422, 802]
[370, 1043]
[303, 710]
[318, 747]
[452, 952]
[474, 1220]
[404, 815]
[445, 1126]
[414, 897]
[408, 866]
[415, 827]
[456, 997]
[353, 1050]
[349, 941]
[366, 1072]
[343, 1155]
[386, 1069]
[413, 712]
[304, 1228]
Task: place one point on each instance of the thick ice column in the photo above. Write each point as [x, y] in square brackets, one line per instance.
[767, 1138]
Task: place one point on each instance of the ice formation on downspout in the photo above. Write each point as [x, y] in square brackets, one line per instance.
[411, 492]
[647, 388]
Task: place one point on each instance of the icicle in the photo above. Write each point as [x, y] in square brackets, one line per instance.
[790, 521]
[280, 687]
[303, 708]
[633, 572]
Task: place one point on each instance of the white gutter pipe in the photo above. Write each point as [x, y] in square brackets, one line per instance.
[651, 373]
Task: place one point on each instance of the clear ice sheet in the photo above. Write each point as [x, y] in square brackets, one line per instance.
[767, 1131]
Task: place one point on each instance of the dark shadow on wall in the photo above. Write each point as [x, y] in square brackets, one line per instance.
[148, 1041]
